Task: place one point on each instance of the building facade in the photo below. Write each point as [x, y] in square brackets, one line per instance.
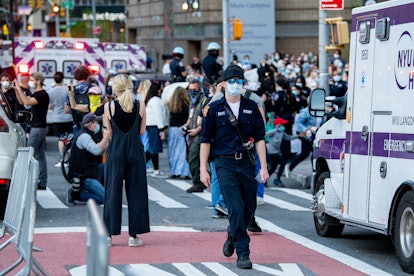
[163, 24]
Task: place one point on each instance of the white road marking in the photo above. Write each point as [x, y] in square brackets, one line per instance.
[287, 270]
[163, 200]
[295, 192]
[284, 204]
[57, 230]
[81, 270]
[147, 270]
[188, 269]
[48, 200]
[219, 269]
[183, 185]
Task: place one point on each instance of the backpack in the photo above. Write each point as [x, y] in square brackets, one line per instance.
[81, 99]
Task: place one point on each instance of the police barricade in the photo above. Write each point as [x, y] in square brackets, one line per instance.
[96, 243]
[22, 235]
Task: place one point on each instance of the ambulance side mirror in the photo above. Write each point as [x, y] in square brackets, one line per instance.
[317, 103]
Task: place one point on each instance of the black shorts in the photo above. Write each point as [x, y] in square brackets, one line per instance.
[62, 128]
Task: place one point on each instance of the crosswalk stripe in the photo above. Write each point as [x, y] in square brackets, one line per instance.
[219, 269]
[48, 200]
[295, 192]
[183, 185]
[188, 269]
[147, 270]
[163, 200]
[284, 204]
[287, 269]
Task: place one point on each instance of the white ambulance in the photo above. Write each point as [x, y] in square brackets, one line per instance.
[50, 54]
[364, 155]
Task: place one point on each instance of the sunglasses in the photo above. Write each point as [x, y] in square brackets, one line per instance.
[232, 81]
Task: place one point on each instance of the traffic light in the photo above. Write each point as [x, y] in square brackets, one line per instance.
[62, 12]
[31, 3]
[39, 4]
[237, 29]
[339, 32]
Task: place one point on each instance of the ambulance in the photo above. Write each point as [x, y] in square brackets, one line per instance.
[48, 55]
[364, 155]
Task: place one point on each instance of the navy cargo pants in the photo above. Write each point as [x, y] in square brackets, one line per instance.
[238, 186]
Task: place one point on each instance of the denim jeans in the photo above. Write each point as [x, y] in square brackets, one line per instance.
[260, 185]
[91, 188]
[37, 140]
[216, 196]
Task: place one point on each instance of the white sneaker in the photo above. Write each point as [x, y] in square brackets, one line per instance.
[58, 164]
[150, 170]
[287, 171]
[158, 175]
[109, 241]
[260, 200]
[135, 242]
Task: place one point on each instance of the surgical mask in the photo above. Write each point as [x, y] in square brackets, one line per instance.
[287, 71]
[297, 70]
[94, 102]
[298, 84]
[295, 93]
[32, 84]
[97, 129]
[337, 78]
[109, 83]
[336, 55]
[234, 89]
[5, 84]
[281, 128]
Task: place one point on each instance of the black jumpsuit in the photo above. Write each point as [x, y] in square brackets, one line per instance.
[126, 161]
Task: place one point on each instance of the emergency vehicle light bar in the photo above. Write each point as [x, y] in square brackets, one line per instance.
[39, 44]
[79, 46]
[23, 68]
[94, 69]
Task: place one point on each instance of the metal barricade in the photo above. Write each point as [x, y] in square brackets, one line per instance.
[96, 243]
[22, 235]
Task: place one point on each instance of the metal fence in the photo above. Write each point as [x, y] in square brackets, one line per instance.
[96, 243]
[20, 213]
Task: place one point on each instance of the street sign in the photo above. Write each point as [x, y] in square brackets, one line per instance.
[331, 4]
[24, 10]
[96, 30]
[67, 4]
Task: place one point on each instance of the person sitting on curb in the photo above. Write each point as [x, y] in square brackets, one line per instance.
[84, 160]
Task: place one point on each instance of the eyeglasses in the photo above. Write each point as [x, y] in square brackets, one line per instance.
[232, 81]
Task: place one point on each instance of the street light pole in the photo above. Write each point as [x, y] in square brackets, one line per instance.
[226, 33]
[56, 10]
[323, 54]
[94, 18]
[67, 20]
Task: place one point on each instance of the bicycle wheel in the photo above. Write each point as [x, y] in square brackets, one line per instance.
[65, 164]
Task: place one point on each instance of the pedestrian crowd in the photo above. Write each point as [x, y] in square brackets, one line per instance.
[227, 129]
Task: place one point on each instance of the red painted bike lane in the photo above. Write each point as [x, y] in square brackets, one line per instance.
[62, 251]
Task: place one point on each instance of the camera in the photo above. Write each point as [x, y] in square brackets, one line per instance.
[185, 130]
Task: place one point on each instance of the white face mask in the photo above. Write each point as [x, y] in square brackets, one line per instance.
[32, 84]
[5, 84]
[336, 55]
[109, 83]
[234, 89]
[337, 78]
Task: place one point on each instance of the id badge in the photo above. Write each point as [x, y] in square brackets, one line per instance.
[191, 113]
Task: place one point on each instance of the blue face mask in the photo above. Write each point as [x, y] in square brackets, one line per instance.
[97, 129]
[234, 89]
[281, 128]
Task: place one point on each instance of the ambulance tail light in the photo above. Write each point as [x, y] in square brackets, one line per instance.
[4, 127]
[39, 44]
[95, 69]
[23, 69]
[79, 45]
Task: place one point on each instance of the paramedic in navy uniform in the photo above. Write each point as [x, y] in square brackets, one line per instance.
[236, 173]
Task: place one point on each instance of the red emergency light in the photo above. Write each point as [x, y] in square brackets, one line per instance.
[94, 69]
[39, 44]
[23, 69]
[79, 45]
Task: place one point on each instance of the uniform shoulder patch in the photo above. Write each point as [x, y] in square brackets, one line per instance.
[205, 110]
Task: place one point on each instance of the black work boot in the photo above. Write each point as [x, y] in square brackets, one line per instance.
[228, 247]
[244, 262]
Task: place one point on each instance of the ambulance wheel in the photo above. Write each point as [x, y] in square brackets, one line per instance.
[325, 225]
[404, 232]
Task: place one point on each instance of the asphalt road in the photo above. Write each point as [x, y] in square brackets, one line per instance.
[185, 236]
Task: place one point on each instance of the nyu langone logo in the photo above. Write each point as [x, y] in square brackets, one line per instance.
[404, 67]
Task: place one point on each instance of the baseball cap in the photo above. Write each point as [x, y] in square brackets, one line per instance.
[280, 121]
[90, 117]
[94, 89]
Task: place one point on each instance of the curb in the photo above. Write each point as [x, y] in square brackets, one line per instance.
[304, 178]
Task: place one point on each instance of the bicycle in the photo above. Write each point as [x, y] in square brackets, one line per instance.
[67, 141]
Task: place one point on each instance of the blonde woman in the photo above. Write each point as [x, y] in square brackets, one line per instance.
[125, 119]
